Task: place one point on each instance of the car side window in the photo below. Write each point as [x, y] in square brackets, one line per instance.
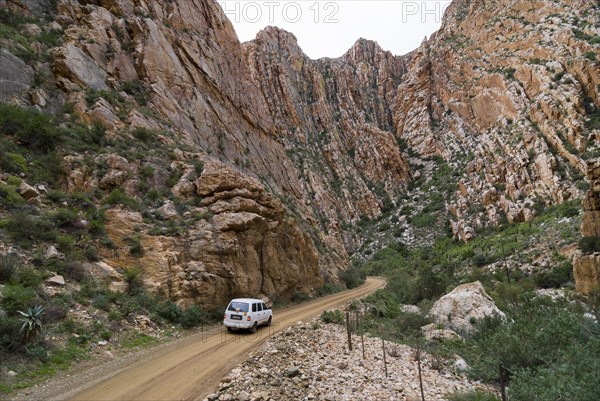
[264, 307]
[260, 308]
[254, 307]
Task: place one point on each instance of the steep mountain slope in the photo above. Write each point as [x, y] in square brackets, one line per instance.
[513, 88]
[272, 161]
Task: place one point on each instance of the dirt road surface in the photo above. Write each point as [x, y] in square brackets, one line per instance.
[192, 368]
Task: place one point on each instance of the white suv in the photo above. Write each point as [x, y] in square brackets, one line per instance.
[247, 313]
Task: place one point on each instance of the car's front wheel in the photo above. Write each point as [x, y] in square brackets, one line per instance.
[269, 321]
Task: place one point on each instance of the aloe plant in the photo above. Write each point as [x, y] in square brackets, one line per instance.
[32, 323]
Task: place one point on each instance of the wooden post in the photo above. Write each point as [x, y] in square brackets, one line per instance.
[362, 340]
[384, 360]
[419, 367]
[348, 330]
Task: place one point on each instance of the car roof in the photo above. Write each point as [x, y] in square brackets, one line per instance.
[247, 300]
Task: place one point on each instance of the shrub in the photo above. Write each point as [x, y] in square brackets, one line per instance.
[117, 196]
[8, 267]
[327, 289]
[556, 277]
[28, 277]
[9, 196]
[25, 228]
[333, 316]
[423, 220]
[9, 332]
[102, 301]
[133, 278]
[589, 244]
[91, 253]
[75, 271]
[34, 129]
[16, 297]
[169, 311]
[143, 134]
[135, 247]
[300, 296]
[64, 217]
[352, 277]
[192, 317]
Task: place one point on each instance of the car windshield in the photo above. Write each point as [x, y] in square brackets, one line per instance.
[238, 306]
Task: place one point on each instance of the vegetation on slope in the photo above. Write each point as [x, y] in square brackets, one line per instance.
[548, 348]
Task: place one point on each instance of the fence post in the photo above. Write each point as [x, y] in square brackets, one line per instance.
[419, 367]
[384, 360]
[362, 340]
[348, 330]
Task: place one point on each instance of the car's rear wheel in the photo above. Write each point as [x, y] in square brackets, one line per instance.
[269, 321]
[253, 328]
[230, 329]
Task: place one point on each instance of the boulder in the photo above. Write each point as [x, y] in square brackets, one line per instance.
[57, 280]
[27, 191]
[52, 252]
[168, 211]
[16, 78]
[72, 63]
[433, 332]
[460, 309]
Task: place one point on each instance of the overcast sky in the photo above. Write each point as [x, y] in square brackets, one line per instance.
[329, 28]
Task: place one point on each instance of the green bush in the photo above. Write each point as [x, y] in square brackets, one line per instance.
[16, 297]
[133, 278]
[169, 311]
[423, 220]
[64, 217]
[333, 316]
[9, 332]
[352, 277]
[118, 197]
[192, 317]
[589, 244]
[556, 277]
[136, 248]
[143, 134]
[28, 276]
[24, 228]
[299, 297]
[9, 196]
[32, 128]
[8, 267]
[327, 289]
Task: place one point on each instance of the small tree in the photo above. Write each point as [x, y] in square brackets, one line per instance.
[32, 323]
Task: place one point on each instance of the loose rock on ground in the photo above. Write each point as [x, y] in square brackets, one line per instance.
[311, 361]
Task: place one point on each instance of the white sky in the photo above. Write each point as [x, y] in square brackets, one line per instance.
[329, 28]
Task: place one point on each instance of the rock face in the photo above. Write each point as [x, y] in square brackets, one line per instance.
[16, 78]
[505, 90]
[586, 267]
[241, 243]
[505, 84]
[460, 309]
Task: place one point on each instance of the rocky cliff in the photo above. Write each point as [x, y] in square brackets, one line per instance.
[277, 158]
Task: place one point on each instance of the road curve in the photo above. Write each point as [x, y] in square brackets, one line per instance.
[192, 369]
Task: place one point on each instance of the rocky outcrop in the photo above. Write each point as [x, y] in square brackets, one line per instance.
[586, 267]
[502, 92]
[463, 307]
[505, 85]
[16, 78]
[240, 242]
